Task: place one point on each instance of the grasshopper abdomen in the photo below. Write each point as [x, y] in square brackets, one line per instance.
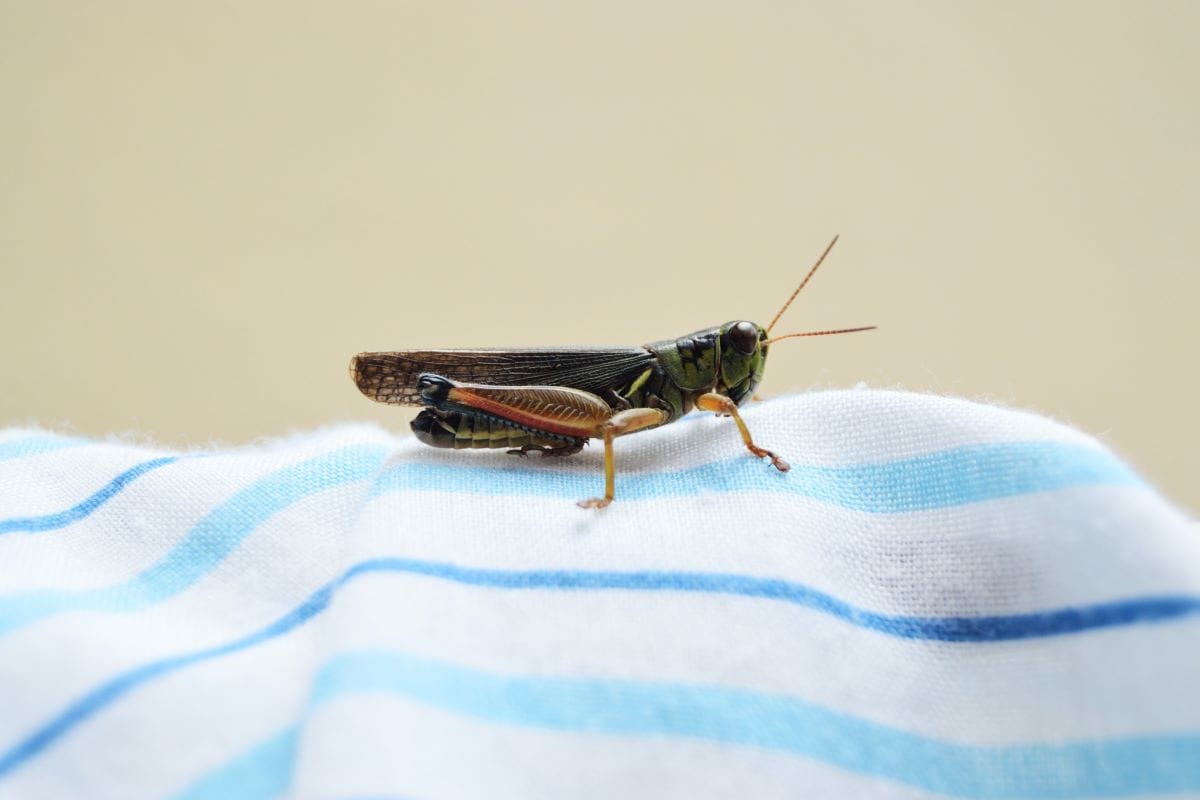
[450, 429]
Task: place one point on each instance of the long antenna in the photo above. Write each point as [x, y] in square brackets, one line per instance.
[819, 333]
[801, 286]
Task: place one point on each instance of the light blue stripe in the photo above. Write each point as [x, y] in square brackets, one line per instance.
[47, 522]
[260, 773]
[1105, 767]
[206, 544]
[26, 446]
[938, 480]
[1102, 767]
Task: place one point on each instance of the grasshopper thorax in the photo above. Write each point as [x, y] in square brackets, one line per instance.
[728, 359]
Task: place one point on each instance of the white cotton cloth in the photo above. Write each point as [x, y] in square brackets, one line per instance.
[941, 598]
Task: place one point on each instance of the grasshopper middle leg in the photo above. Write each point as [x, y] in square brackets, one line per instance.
[628, 421]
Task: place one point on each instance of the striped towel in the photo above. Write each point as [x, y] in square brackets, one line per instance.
[940, 599]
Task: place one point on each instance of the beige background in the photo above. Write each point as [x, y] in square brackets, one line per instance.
[206, 208]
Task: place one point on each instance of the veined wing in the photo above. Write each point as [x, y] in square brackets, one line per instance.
[392, 377]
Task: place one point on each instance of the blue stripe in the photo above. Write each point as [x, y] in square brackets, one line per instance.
[77, 512]
[262, 772]
[1104, 767]
[938, 480]
[966, 629]
[206, 544]
[994, 628]
[26, 446]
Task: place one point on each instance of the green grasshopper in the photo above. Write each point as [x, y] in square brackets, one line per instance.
[552, 400]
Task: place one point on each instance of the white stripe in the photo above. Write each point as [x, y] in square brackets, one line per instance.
[848, 427]
[1080, 686]
[140, 524]
[155, 741]
[365, 745]
[58, 479]
[274, 570]
[1020, 554]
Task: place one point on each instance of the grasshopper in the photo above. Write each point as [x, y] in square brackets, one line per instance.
[553, 400]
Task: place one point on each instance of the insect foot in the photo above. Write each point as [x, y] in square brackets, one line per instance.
[776, 461]
[595, 502]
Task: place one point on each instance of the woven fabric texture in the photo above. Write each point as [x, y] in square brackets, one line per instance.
[941, 598]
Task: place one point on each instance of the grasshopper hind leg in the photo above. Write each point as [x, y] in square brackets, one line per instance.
[556, 420]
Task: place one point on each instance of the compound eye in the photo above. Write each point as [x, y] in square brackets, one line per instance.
[744, 336]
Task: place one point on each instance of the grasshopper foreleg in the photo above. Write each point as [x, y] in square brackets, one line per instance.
[720, 404]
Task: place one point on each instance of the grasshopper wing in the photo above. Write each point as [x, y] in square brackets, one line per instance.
[392, 377]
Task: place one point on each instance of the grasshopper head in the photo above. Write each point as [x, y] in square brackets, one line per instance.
[743, 358]
[743, 346]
